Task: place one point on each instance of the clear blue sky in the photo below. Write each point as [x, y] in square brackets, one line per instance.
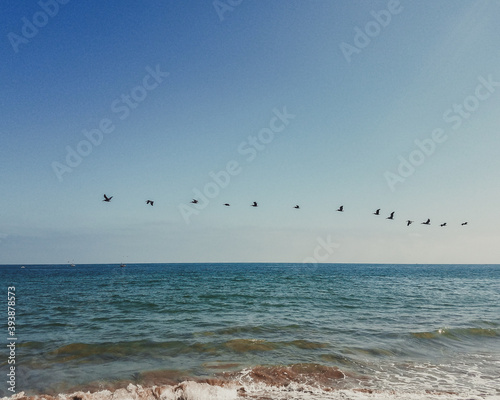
[181, 89]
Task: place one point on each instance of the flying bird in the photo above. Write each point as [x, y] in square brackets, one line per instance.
[391, 216]
[227, 204]
[297, 206]
[194, 201]
[377, 212]
[408, 223]
[254, 204]
[428, 222]
[464, 223]
[341, 209]
[149, 202]
[107, 199]
[444, 224]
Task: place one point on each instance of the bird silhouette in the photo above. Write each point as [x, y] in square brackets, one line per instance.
[227, 204]
[297, 206]
[391, 216]
[377, 212]
[149, 202]
[254, 204]
[443, 224]
[428, 222]
[107, 199]
[194, 201]
[464, 223]
[341, 209]
[408, 223]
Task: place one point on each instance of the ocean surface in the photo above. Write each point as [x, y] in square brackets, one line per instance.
[256, 331]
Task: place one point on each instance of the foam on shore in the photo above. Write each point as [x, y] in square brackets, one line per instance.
[251, 390]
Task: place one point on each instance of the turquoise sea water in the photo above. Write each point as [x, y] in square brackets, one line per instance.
[406, 328]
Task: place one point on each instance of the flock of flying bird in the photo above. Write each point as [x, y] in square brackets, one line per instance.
[340, 209]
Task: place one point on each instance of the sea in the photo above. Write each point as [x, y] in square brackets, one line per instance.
[252, 331]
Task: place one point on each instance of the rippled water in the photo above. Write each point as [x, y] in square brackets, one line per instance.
[413, 328]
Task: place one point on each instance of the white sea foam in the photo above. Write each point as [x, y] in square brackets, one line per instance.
[190, 390]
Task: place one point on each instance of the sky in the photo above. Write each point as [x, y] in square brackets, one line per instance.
[389, 105]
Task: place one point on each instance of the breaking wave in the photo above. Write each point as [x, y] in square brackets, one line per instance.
[306, 381]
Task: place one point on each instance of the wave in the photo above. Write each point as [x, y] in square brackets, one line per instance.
[75, 352]
[292, 382]
[305, 373]
[458, 333]
[251, 329]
